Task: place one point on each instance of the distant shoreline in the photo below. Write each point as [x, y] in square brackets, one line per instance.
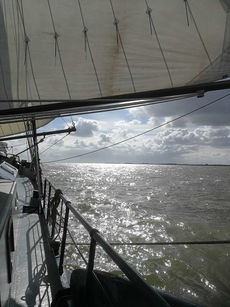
[146, 163]
[182, 164]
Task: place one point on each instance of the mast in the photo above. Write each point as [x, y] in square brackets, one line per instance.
[35, 159]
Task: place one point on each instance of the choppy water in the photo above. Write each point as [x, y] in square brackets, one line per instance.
[147, 203]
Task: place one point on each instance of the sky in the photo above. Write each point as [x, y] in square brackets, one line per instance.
[200, 138]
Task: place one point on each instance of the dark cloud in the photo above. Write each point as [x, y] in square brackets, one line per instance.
[182, 141]
[216, 114]
[104, 139]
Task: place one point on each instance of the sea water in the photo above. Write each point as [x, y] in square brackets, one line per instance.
[132, 203]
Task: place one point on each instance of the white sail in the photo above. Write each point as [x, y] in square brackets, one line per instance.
[18, 127]
[70, 49]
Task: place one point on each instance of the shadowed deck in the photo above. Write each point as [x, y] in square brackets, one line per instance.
[35, 278]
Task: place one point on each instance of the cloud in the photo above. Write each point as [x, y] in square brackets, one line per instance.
[199, 136]
[86, 127]
[184, 143]
[104, 139]
[216, 114]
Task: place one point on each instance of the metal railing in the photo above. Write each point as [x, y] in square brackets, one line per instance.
[60, 229]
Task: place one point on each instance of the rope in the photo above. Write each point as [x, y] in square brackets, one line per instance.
[30, 147]
[186, 11]
[152, 26]
[122, 46]
[54, 143]
[14, 26]
[198, 32]
[27, 47]
[57, 49]
[140, 134]
[87, 44]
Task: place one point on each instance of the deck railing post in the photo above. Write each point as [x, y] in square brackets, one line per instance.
[90, 265]
[63, 242]
[44, 194]
[48, 206]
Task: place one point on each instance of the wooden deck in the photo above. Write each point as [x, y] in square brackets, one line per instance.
[35, 278]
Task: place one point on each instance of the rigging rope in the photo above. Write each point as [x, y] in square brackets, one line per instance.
[30, 147]
[152, 26]
[27, 46]
[198, 31]
[142, 133]
[85, 30]
[115, 22]
[39, 143]
[186, 11]
[54, 143]
[57, 49]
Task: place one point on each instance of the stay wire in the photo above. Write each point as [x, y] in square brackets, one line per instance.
[54, 144]
[142, 133]
[64, 120]
[30, 147]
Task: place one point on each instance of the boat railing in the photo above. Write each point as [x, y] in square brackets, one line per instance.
[58, 226]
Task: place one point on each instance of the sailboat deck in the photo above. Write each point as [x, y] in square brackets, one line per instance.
[35, 275]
